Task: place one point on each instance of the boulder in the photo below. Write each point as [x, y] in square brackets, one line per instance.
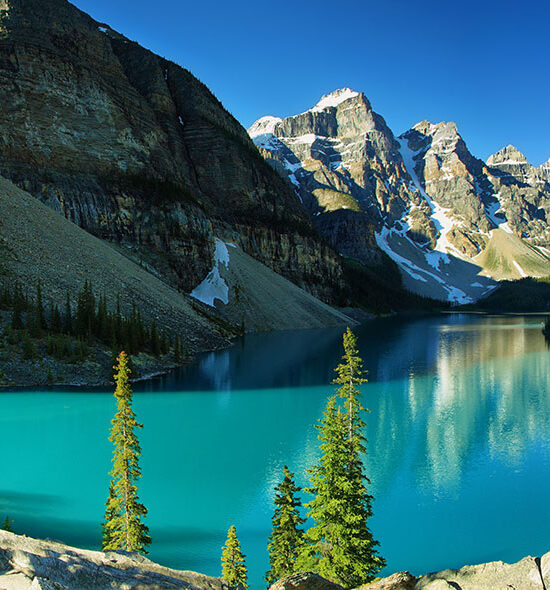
[398, 581]
[496, 575]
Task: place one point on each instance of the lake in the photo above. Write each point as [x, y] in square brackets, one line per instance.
[458, 444]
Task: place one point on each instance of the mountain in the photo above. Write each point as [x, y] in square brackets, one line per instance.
[38, 244]
[138, 152]
[422, 198]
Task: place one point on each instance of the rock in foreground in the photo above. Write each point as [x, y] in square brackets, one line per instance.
[528, 574]
[31, 564]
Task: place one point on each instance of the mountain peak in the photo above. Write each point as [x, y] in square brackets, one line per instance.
[427, 128]
[263, 126]
[508, 155]
[334, 99]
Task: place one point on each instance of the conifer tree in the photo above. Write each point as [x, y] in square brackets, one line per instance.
[340, 546]
[7, 525]
[286, 539]
[123, 527]
[68, 319]
[233, 566]
[110, 514]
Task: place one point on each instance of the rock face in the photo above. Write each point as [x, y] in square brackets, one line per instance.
[38, 244]
[136, 150]
[340, 155]
[422, 198]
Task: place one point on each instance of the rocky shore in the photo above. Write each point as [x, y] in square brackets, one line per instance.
[32, 564]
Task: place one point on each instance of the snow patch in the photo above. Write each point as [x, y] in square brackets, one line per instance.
[265, 125]
[334, 99]
[214, 286]
[102, 29]
[440, 216]
[454, 294]
[494, 215]
[522, 273]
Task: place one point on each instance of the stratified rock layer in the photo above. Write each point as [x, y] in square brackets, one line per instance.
[134, 149]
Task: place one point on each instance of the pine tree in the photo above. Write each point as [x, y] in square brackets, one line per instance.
[110, 514]
[7, 525]
[287, 537]
[340, 546]
[233, 566]
[68, 319]
[123, 527]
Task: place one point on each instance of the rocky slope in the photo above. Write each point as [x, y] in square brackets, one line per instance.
[135, 150]
[422, 198]
[37, 243]
[31, 564]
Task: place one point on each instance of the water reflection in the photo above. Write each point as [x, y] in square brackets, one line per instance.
[479, 387]
[458, 433]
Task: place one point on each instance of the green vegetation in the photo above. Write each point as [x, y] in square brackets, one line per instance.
[233, 566]
[339, 546]
[7, 525]
[379, 288]
[525, 295]
[123, 527]
[85, 321]
[286, 540]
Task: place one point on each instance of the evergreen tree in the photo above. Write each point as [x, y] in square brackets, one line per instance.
[350, 374]
[154, 339]
[7, 525]
[123, 527]
[340, 546]
[17, 318]
[68, 319]
[233, 566]
[39, 322]
[286, 539]
[110, 514]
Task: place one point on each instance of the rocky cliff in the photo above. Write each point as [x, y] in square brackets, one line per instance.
[38, 244]
[421, 198]
[135, 150]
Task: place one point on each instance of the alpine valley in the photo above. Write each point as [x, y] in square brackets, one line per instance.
[454, 225]
[121, 173]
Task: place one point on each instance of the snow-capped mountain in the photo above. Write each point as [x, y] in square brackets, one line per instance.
[451, 222]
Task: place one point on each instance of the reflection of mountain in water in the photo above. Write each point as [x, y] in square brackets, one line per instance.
[483, 391]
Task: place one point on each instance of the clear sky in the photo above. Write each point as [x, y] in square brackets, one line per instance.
[484, 64]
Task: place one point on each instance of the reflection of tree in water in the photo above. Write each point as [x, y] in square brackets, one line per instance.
[486, 393]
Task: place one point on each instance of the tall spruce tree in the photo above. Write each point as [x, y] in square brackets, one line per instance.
[234, 570]
[123, 527]
[340, 546]
[287, 537]
[7, 525]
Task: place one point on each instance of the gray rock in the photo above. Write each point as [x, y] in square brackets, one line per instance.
[31, 564]
[496, 575]
[397, 581]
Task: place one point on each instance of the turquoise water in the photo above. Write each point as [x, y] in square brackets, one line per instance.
[458, 444]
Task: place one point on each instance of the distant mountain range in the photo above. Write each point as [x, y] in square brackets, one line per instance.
[452, 223]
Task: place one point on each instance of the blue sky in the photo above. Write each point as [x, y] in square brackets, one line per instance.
[483, 64]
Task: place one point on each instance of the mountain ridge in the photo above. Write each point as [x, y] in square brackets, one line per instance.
[421, 197]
